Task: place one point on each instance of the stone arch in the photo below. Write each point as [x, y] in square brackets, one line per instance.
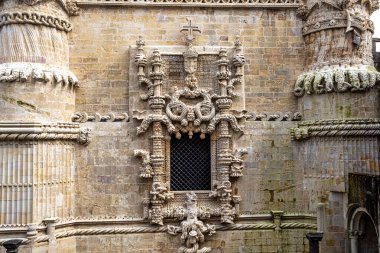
[363, 233]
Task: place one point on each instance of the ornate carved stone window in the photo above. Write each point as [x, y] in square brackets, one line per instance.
[190, 93]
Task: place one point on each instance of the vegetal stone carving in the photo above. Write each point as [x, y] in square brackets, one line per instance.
[237, 163]
[23, 72]
[146, 169]
[192, 229]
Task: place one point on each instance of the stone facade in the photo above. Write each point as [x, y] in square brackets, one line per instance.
[93, 91]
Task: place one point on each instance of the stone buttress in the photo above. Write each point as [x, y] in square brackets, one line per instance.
[37, 138]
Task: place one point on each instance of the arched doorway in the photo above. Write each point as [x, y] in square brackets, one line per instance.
[363, 232]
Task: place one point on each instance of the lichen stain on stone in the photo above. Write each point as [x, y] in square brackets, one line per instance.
[346, 111]
[25, 105]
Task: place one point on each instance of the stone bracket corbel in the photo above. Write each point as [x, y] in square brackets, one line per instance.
[277, 219]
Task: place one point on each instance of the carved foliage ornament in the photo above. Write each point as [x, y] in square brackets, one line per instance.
[210, 112]
[338, 80]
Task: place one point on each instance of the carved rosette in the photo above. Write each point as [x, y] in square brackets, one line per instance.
[173, 114]
[338, 38]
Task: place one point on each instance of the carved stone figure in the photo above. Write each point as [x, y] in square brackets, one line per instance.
[192, 229]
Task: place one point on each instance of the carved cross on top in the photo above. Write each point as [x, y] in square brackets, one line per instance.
[190, 29]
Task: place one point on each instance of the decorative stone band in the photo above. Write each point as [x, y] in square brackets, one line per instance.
[83, 117]
[338, 79]
[34, 19]
[153, 229]
[23, 241]
[198, 3]
[325, 128]
[336, 19]
[278, 116]
[22, 72]
[46, 132]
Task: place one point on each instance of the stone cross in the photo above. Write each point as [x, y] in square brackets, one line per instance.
[190, 29]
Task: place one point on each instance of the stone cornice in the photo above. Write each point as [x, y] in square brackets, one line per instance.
[44, 132]
[34, 19]
[197, 3]
[331, 128]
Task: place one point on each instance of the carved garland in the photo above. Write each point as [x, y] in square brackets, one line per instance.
[171, 115]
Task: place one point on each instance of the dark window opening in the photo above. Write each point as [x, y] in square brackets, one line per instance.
[190, 163]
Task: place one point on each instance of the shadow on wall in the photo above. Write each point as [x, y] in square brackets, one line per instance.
[376, 53]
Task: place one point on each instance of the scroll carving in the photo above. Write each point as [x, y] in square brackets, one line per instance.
[190, 109]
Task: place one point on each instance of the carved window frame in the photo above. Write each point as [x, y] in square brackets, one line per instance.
[214, 115]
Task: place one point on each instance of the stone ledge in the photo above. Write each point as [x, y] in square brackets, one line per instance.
[15, 131]
[331, 128]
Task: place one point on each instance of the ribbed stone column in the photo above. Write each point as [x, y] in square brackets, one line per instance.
[37, 100]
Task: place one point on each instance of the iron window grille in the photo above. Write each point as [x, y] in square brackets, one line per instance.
[190, 163]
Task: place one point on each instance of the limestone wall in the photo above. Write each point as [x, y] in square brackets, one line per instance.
[99, 50]
[63, 197]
